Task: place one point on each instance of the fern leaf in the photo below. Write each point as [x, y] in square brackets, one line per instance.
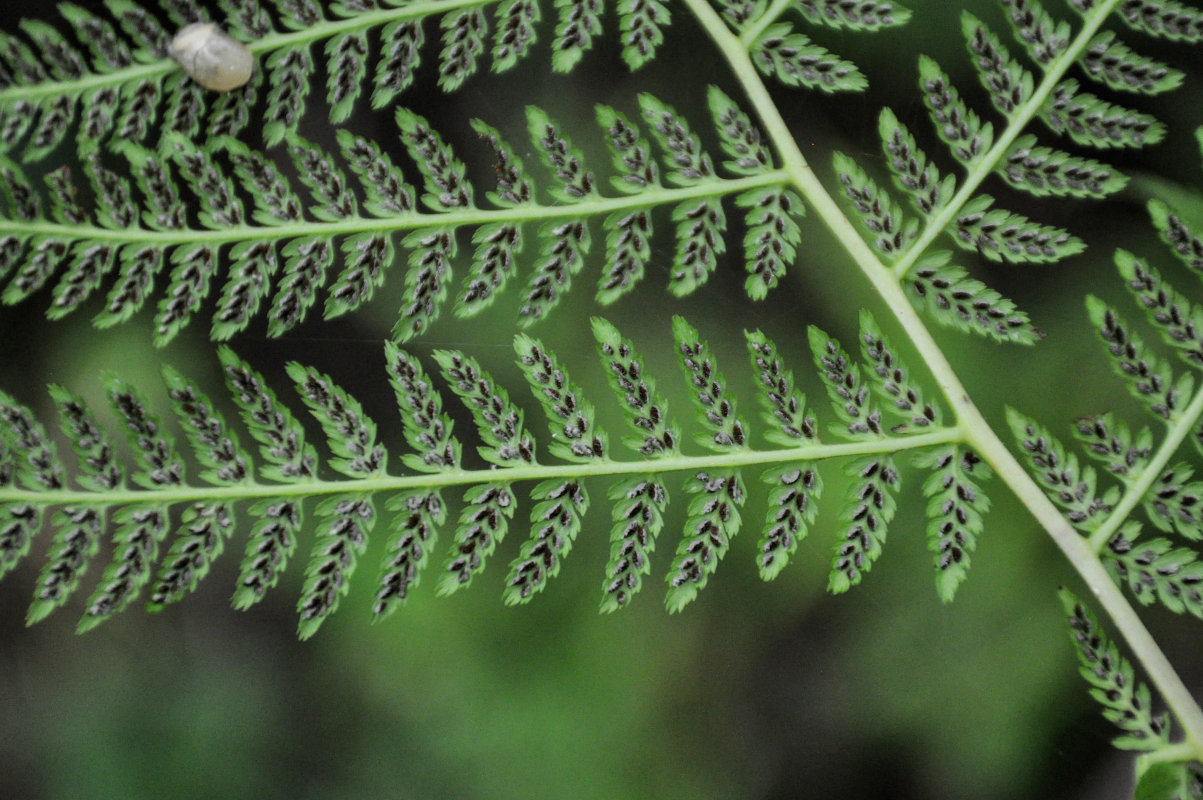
[299, 14]
[499, 244]
[564, 244]
[463, 42]
[1164, 18]
[1044, 37]
[100, 470]
[366, 256]
[955, 508]
[715, 407]
[556, 521]
[849, 394]
[416, 518]
[1111, 442]
[1043, 171]
[783, 406]
[795, 60]
[858, 16]
[560, 504]
[1150, 381]
[578, 22]
[428, 430]
[1109, 60]
[638, 518]
[912, 171]
[288, 78]
[713, 518]
[386, 191]
[1173, 503]
[869, 508]
[346, 519]
[949, 296]
[400, 46]
[205, 526]
[38, 466]
[76, 542]
[796, 487]
[957, 125]
[147, 36]
[245, 288]
[443, 175]
[1069, 484]
[306, 262]
[1176, 233]
[1155, 571]
[1092, 122]
[346, 59]
[628, 233]
[640, 25]
[1179, 322]
[430, 256]
[1001, 235]
[714, 514]
[1007, 82]
[326, 182]
[204, 529]
[516, 32]
[482, 522]
[341, 538]
[890, 232]
[574, 432]
[62, 58]
[1125, 701]
[350, 433]
[892, 380]
[189, 284]
[741, 13]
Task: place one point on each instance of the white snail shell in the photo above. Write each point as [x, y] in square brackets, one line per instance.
[212, 57]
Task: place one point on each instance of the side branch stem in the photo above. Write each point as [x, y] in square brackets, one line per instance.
[472, 477]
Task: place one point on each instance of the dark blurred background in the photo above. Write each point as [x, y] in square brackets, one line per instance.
[771, 691]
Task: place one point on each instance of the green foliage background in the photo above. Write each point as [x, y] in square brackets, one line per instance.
[755, 691]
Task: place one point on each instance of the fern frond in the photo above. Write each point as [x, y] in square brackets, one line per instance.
[1110, 441]
[1089, 121]
[1111, 61]
[269, 245]
[795, 60]
[1125, 701]
[1165, 18]
[272, 493]
[1067, 482]
[955, 510]
[1148, 379]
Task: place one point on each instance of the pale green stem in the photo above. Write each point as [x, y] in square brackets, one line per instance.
[529, 213]
[470, 477]
[979, 433]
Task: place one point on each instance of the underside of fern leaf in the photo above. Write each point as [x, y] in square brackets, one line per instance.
[123, 178]
[168, 526]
